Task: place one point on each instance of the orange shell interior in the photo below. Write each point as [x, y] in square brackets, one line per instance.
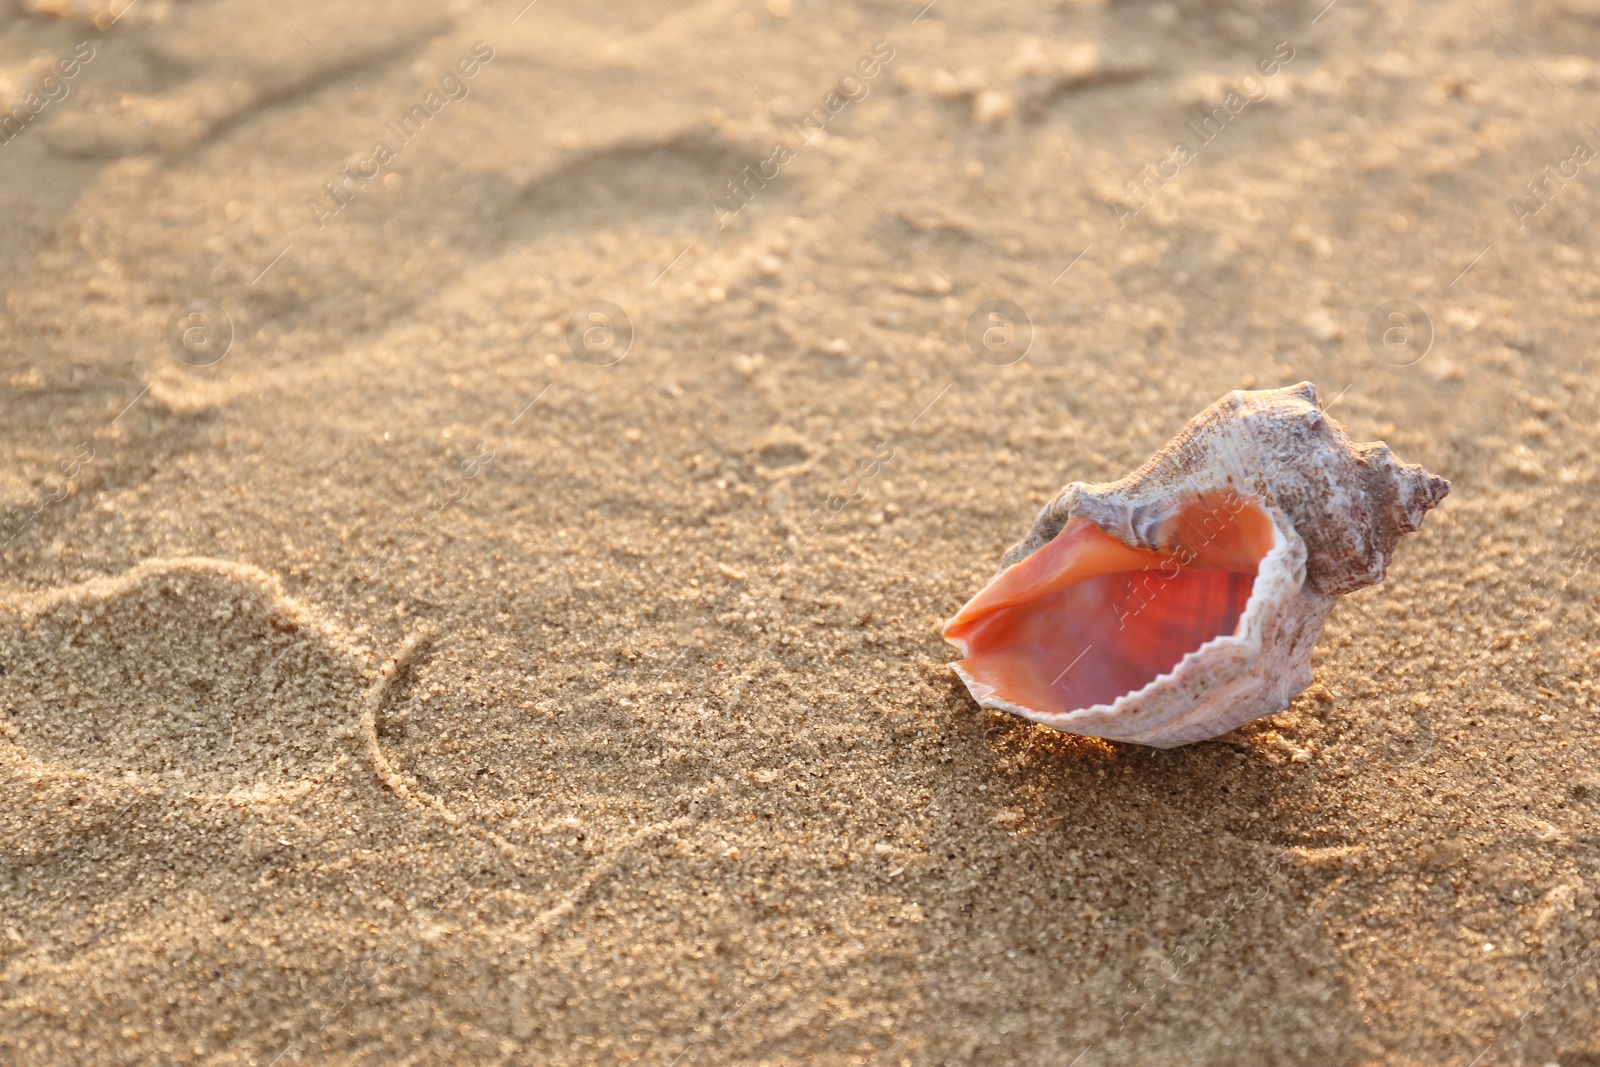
[1087, 619]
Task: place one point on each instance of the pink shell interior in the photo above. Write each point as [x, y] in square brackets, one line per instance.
[1087, 619]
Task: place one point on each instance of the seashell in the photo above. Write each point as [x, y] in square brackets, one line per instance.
[1184, 600]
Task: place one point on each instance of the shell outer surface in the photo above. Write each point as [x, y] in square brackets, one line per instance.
[1339, 508]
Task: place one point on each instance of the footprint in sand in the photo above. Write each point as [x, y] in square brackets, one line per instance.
[227, 66]
[197, 674]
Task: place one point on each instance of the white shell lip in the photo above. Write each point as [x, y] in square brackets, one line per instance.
[1280, 576]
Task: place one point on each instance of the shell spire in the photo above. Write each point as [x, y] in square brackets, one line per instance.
[1184, 600]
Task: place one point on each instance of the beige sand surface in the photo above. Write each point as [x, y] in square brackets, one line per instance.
[356, 711]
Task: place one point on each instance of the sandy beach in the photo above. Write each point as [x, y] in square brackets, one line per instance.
[481, 484]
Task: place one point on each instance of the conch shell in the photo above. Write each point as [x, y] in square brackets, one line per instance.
[1183, 600]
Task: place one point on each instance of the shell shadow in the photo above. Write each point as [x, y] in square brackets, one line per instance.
[1180, 876]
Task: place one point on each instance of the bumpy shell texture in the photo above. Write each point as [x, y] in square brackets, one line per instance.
[1183, 600]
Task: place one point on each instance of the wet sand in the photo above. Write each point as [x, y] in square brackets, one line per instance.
[403, 665]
